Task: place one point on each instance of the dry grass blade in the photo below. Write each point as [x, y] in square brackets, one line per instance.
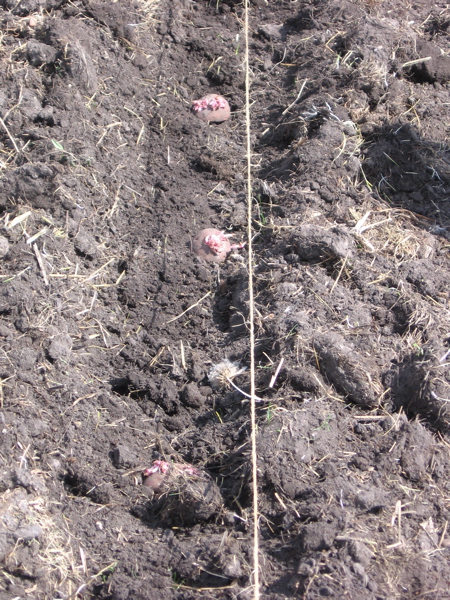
[8, 133]
[40, 260]
[242, 392]
[418, 61]
[95, 273]
[36, 236]
[188, 309]
[277, 372]
[296, 100]
[344, 262]
[17, 220]
[362, 221]
[183, 359]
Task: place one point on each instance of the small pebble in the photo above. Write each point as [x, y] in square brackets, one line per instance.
[4, 246]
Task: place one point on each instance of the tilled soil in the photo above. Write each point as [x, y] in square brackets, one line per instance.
[119, 346]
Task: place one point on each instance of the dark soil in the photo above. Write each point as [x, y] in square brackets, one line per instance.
[110, 324]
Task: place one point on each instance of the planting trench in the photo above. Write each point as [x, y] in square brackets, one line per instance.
[110, 325]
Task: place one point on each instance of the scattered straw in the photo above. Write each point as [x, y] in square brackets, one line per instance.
[157, 356]
[399, 233]
[82, 587]
[148, 9]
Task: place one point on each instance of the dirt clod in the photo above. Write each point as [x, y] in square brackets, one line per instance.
[347, 370]
[184, 495]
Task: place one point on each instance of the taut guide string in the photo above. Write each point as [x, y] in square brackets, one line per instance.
[251, 314]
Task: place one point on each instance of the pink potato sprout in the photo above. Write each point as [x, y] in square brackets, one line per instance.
[211, 108]
[213, 245]
[156, 476]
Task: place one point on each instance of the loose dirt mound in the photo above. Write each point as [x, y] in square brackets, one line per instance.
[118, 344]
